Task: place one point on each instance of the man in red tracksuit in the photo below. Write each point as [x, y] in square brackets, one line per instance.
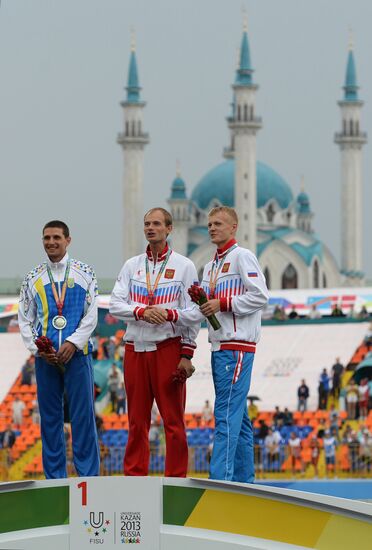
[149, 295]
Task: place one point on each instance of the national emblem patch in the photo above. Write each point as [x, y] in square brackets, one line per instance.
[225, 268]
[169, 273]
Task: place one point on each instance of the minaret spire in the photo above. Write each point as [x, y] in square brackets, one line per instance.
[244, 125]
[133, 87]
[351, 140]
[133, 141]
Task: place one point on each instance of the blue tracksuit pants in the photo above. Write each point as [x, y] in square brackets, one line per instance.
[233, 452]
[78, 383]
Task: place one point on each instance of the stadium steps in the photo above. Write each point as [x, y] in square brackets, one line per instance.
[17, 470]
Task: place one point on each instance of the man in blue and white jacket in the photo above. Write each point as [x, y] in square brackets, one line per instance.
[237, 292]
[58, 300]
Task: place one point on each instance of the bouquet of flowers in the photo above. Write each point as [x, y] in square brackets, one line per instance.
[45, 345]
[198, 296]
[179, 376]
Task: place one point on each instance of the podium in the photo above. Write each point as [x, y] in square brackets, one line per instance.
[155, 513]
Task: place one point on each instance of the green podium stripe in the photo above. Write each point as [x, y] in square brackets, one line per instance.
[33, 508]
[178, 503]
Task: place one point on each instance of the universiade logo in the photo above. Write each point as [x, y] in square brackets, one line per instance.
[130, 527]
[97, 527]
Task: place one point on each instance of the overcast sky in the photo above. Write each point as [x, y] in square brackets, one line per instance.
[63, 67]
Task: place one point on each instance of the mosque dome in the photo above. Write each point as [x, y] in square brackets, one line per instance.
[219, 184]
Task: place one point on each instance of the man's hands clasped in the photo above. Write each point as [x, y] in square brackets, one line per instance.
[155, 315]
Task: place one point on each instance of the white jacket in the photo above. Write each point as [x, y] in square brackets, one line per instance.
[130, 298]
[242, 291]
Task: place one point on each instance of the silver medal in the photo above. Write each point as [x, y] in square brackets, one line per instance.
[59, 322]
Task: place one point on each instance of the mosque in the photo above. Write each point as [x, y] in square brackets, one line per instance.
[272, 221]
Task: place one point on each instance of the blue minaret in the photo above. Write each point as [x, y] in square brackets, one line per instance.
[244, 125]
[133, 141]
[180, 210]
[351, 140]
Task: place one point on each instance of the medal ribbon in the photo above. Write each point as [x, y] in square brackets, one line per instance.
[215, 269]
[151, 290]
[59, 300]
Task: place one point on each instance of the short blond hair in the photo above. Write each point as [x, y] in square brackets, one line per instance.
[167, 215]
[227, 209]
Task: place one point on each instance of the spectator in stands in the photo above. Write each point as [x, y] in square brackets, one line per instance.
[278, 417]
[287, 417]
[330, 444]
[354, 450]
[315, 452]
[293, 313]
[95, 345]
[323, 390]
[99, 424]
[252, 410]
[207, 413]
[154, 434]
[346, 438]
[272, 446]
[337, 311]
[279, 314]
[121, 404]
[334, 420]
[263, 430]
[303, 394]
[314, 313]
[363, 391]
[28, 371]
[35, 411]
[18, 407]
[114, 379]
[363, 314]
[7, 438]
[352, 397]
[294, 445]
[337, 371]
[365, 452]
[322, 428]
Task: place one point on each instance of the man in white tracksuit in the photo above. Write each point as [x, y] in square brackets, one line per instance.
[237, 292]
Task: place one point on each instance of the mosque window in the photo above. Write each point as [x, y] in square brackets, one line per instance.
[289, 277]
[267, 277]
[239, 112]
[357, 127]
[245, 112]
[127, 128]
[316, 274]
[324, 281]
[344, 128]
[251, 112]
[270, 213]
[139, 127]
[133, 128]
[351, 128]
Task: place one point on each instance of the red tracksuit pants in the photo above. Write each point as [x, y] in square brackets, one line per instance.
[148, 376]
